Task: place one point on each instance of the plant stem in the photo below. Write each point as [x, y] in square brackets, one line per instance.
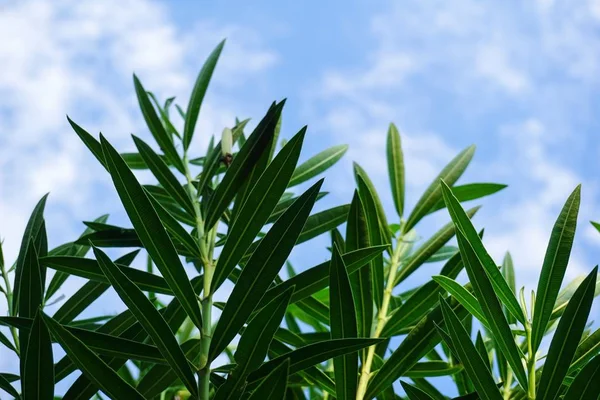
[382, 316]
[530, 363]
[9, 297]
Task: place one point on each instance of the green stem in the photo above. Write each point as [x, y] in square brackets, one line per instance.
[530, 363]
[9, 298]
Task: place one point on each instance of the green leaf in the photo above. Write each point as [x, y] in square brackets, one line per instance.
[90, 364]
[587, 349]
[88, 268]
[315, 279]
[317, 164]
[284, 204]
[312, 354]
[163, 174]
[421, 301]
[274, 385]
[32, 228]
[414, 393]
[427, 369]
[492, 309]
[261, 269]
[8, 388]
[566, 338]
[463, 296]
[377, 226]
[160, 377]
[443, 254]
[242, 165]
[482, 350]
[6, 342]
[419, 342]
[395, 160]
[357, 237]
[258, 207]
[342, 320]
[429, 248]
[149, 318]
[555, 266]
[38, 379]
[475, 367]
[254, 344]
[470, 191]
[433, 194]
[323, 221]
[501, 288]
[164, 139]
[90, 142]
[585, 385]
[75, 304]
[136, 161]
[151, 232]
[200, 87]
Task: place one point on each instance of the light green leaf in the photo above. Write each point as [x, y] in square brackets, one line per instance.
[566, 338]
[555, 266]
[151, 232]
[200, 87]
[395, 160]
[317, 164]
[136, 161]
[433, 194]
[470, 191]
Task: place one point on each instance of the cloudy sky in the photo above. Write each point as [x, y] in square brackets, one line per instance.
[521, 80]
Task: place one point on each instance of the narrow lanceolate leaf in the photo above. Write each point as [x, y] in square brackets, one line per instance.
[492, 309]
[566, 338]
[163, 174]
[474, 365]
[463, 223]
[242, 165]
[90, 142]
[261, 269]
[587, 349]
[323, 221]
[470, 191]
[91, 365]
[376, 224]
[342, 321]
[421, 301]
[285, 203]
[463, 296]
[136, 161]
[88, 268]
[317, 164]
[151, 232]
[79, 301]
[38, 380]
[164, 139]
[31, 230]
[414, 393]
[395, 160]
[433, 193]
[585, 386]
[312, 354]
[258, 207]
[357, 237]
[197, 96]
[149, 318]
[443, 254]
[8, 388]
[554, 266]
[429, 248]
[419, 342]
[432, 368]
[274, 385]
[315, 279]
[254, 344]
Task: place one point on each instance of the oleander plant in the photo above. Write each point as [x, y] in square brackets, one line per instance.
[222, 226]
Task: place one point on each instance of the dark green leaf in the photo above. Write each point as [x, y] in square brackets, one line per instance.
[471, 191]
[90, 142]
[151, 231]
[200, 87]
[261, 269]
[284, 204]
[317, 164]
[8, 388]
[414, 393]
[135, 160]
[149, 318]
[242, 165]
[395, 160]
[433, 194]
[432, 368]
[343, 325]
[585, 386]
[587, 349]
[164, 139]
[38, 380]
[274, 385]
[566, 338]
[555, 266]
[463, 296]
[256, 210]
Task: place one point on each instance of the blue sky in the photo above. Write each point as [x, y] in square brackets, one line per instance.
[518, 79]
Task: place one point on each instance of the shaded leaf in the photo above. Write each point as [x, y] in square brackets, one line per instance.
[317, 164]
[38, 379]
[585, 386]
[274, 385]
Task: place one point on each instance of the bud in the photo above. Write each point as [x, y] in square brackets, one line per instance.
[226, 146]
